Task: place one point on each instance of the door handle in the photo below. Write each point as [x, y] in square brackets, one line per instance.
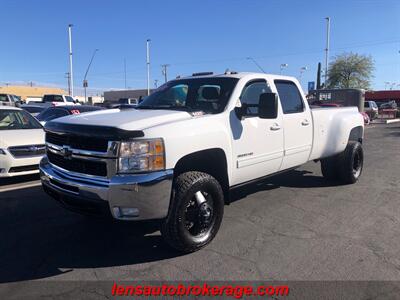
[275, 127]
[305, 122]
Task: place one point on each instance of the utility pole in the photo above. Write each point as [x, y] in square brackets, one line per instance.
[164, 71]
[69, 82]
[85, 83]
[148, 65]
[71, 76]
[328, 29]
[155, 83]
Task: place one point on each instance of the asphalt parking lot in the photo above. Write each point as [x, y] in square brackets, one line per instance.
[296, 226]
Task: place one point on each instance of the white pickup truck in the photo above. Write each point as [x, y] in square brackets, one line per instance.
[177, 155]
[55, 100]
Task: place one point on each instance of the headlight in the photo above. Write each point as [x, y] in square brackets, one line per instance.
[141, 156]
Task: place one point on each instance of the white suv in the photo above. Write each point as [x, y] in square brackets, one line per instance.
[21, 142]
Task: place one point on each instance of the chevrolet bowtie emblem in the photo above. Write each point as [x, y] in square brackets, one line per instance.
[66, 152]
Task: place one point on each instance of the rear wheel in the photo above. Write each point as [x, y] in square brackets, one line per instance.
[195, 213]
[352, 161]
[346, 166]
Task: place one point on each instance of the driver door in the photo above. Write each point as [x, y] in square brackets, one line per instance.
[257, 143]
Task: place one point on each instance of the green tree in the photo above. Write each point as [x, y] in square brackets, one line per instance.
[350, 70]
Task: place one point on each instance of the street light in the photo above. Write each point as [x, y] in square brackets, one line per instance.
[256, 63]
[302, 70]
[148, 65]
[282, 67]
[85, 83]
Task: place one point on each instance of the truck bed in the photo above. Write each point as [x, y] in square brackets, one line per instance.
[329, 129]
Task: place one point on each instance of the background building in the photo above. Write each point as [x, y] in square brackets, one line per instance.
[383, 96]
[30, 91]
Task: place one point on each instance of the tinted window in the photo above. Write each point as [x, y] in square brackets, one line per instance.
[366, 104]
[17, 119]
[53, 98]
[3, 98]
[70, 99]
[209, 95]
[290, 97]
[251, 94]
[32, 109]
[51, 114]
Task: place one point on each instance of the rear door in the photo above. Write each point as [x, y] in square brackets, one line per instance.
[297, 124]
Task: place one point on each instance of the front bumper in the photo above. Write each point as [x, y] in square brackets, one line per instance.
[11, 166]
[124, 197]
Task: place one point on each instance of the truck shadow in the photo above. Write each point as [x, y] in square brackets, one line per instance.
[39, 239]
[292, 179]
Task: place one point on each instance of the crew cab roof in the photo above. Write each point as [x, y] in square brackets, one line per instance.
[241, 75]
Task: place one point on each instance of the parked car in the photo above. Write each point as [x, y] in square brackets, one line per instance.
[177, 155]
[128, 101]
[57, 100]
[52, 113]
[371, 108]
[34, 110]
[31, 100]
[10, 100]
[21, 142]
[367, 119]
[388, 105]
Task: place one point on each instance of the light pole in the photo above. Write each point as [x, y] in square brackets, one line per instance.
[164, 71]
[85, 83]
[328, 31]
[71, 76]
[256, 63]
[302, 70]
[282, 67]
[148, 65]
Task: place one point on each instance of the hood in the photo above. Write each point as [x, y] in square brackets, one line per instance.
[126, 119]
[21, 137]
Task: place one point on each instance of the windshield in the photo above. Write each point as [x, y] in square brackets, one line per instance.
[209, 95]
[17, 119]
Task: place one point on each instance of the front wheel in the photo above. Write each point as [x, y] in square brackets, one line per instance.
[195, 213]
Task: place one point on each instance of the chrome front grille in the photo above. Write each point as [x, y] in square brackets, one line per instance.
[78, 142]
[84, 163]
[83, 166]
[27, 150]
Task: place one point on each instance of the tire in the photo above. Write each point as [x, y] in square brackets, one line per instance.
[345, 167]
[351, 163]
[329, 168]
[192, 224]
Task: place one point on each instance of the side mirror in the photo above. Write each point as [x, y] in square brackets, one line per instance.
[268, 106]
[241, 111]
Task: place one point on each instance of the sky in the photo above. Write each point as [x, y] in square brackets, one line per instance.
[190, 36]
